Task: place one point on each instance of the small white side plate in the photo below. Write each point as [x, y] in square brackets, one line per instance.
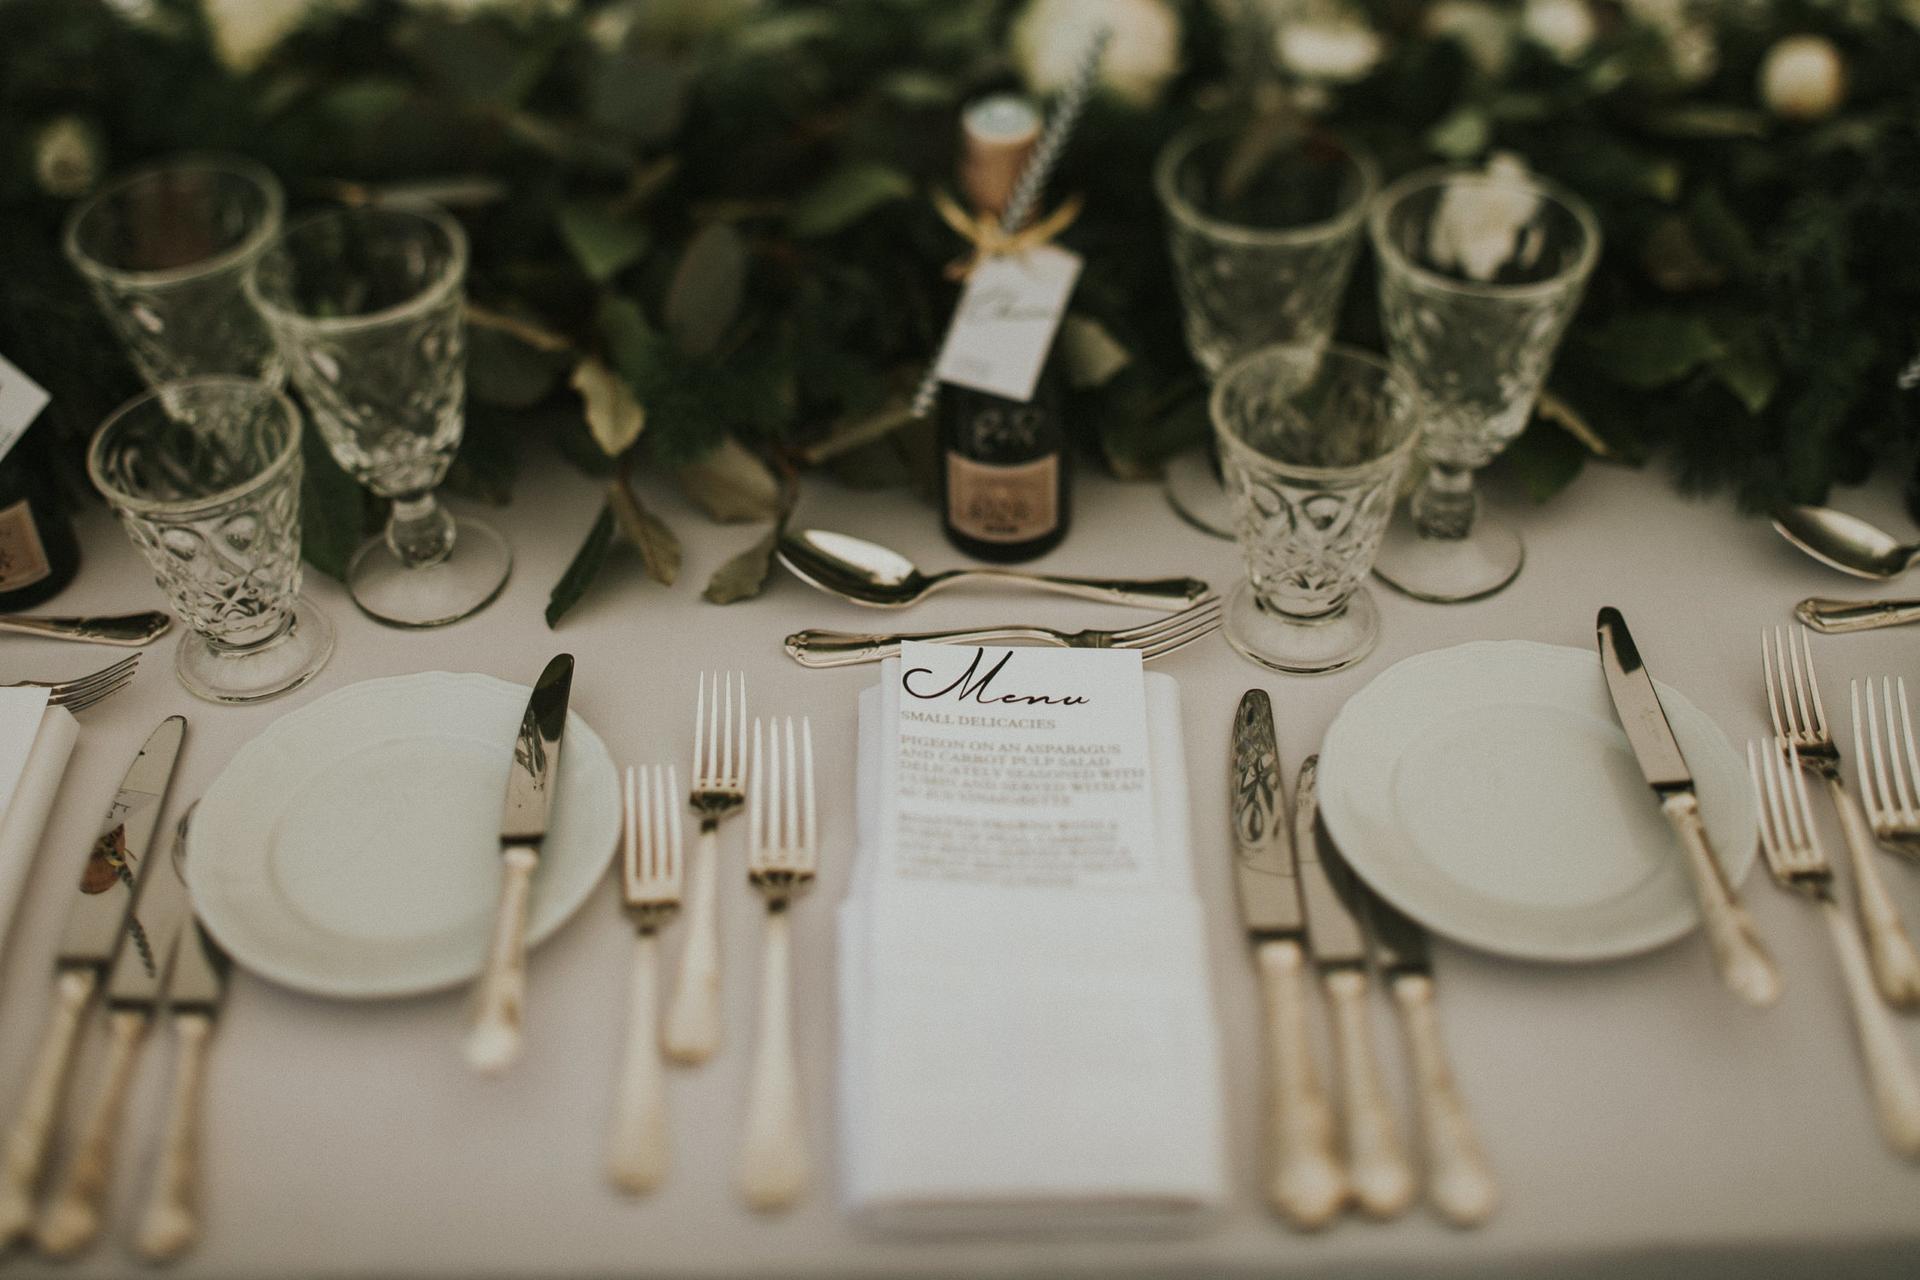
[1488, 791]
[353, 849]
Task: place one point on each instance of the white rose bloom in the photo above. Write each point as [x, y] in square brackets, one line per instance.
[1476, 227]
[1050, 36]
[1694, 51]
[1564, 28]
[245, 31]
[1482, 31]
[1334, 49]
[1803, 78]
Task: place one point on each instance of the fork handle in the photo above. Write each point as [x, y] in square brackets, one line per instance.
[494, 1041]
[773, 1168]
[848, 648]
[637, 1157]
[32, 1133]
[1305, 1180]
[1154, 593]
[1377, 1163]
[1896, 968]
[1744, 964]
[1838, 617]
[693, 1020]
[1890, 1071]
[171, 1221]
[1459, 1180]
[73, 1219]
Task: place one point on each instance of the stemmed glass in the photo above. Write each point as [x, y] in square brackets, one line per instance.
[1263, 232]
[368, 308]
[1314, 446]
[164, 249]
[1480, 273]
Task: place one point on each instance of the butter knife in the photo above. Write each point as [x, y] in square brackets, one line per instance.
[128, 630]
[495, 1039]
[1743, 963]
[1460, 1183]
[109, 886]
[1377, 1163]
[134, 987]
[1305, 1180]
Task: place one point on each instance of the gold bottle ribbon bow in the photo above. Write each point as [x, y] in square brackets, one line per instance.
[990, 240]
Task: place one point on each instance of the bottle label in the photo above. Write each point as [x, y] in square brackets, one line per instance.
[1003, 504]
[23, 558]
[1003, 328]
[21, 400]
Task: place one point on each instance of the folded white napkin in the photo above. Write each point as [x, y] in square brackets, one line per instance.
[35, 743]
[1027, 1059]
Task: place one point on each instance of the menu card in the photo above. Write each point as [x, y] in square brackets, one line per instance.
[35, 742]
[1027, 1018]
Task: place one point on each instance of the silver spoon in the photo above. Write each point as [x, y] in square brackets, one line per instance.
[868, 574]
[128, 629]
[1845, 542]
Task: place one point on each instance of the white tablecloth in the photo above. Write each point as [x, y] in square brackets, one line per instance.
[1636, 1113]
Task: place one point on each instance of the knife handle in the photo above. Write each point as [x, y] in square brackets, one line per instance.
[1377, 1164]
[1305, 1181]
[1459, 1180]
[495, 1040]
[1896, 969]
[73, 1220]
[1837, 617]
[32, 1132]
[171, 1221]
[1743, 963]
[693, 1019]
[637, 1157]
[773, 1169]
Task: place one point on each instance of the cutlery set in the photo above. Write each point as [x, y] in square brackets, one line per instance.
[130, 937]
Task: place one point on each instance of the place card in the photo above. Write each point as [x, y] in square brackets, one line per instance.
[1023, 768]
[1003, 328]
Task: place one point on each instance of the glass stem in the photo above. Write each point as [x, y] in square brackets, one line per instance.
[1444, 505]
[419, 530]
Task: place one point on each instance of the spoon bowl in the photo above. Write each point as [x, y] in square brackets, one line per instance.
[1845, 542]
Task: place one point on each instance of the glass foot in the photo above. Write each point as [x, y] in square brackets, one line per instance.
[1449, 570]
[433, 595]
[1301, 646]
[1194, 489]
[285, 662]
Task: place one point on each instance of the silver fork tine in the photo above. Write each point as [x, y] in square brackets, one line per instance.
[1882, 788]
[1804, 724]
[91, 694]
[1893, 748]
[699, 731]
[1813, 679]
[756, 800]
[1867, 798]
[790, 835]
[726, 750]
[1912, 770]
[1147, 630]
[810, 834]
[1190, 629]
[1768, 661]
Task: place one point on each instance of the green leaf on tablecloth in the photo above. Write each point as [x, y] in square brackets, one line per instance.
[845, 196]
[604, 244]
[1545, 461]
[659, 548]
[731, 485]
[586, 566]
[1652, 349]
[333, 510]
[705, 293]
[614, 416]
[745, 575]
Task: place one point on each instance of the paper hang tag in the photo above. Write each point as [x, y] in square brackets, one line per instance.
[21, 400]
[1004, 325]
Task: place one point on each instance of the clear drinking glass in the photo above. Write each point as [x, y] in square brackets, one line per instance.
[205, 477]
[1314, 445]
[368, 308]
[164, 250]
[1263, 234]
[1480, 274]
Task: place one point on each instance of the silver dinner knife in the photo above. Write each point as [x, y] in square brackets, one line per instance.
[134, 988]
[109, 886]
[1377, 1163]
[171, 1220]
[1305, 1180]
[1460, 1183]
[1743, 963]
[495, 1039]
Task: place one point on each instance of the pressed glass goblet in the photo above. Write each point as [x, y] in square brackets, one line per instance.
[1480, 273]
[368, 307]
[164, 250]
[1314, 445]
[1263, 236]
[205, 477]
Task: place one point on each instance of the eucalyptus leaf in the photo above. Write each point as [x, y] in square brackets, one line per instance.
[845, 196]
[614, 415]
[638, 94]
[506, 372]
[745, 575]
[602, 243]
[857, 432]
[1544, 461]
[1092, 354]
[731, 485]
[584, 568]
[705, 293]
[659, 548]
[1652, 349]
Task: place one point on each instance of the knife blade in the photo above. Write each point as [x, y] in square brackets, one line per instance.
[495, 1039]
[110, 881]
[135, 985]
[1743, 963]
[1460, 1182]
[1305, 1181]
[1377, 1162]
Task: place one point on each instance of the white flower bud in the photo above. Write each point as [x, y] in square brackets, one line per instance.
[66, 157]
[1564, 28]
[1485, 34]
[1803, 78]
[1334, 50]
[246, 31]
[1050, 36]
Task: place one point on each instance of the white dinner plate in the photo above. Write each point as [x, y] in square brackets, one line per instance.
[1488, 791]
[353, 849]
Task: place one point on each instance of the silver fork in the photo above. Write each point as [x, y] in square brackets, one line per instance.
[1793, 699]
[83, 691]
[1890, 808]
[719, 759]
[1153, 639]
[650, 874]
[783, 839]
[1797, 861]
